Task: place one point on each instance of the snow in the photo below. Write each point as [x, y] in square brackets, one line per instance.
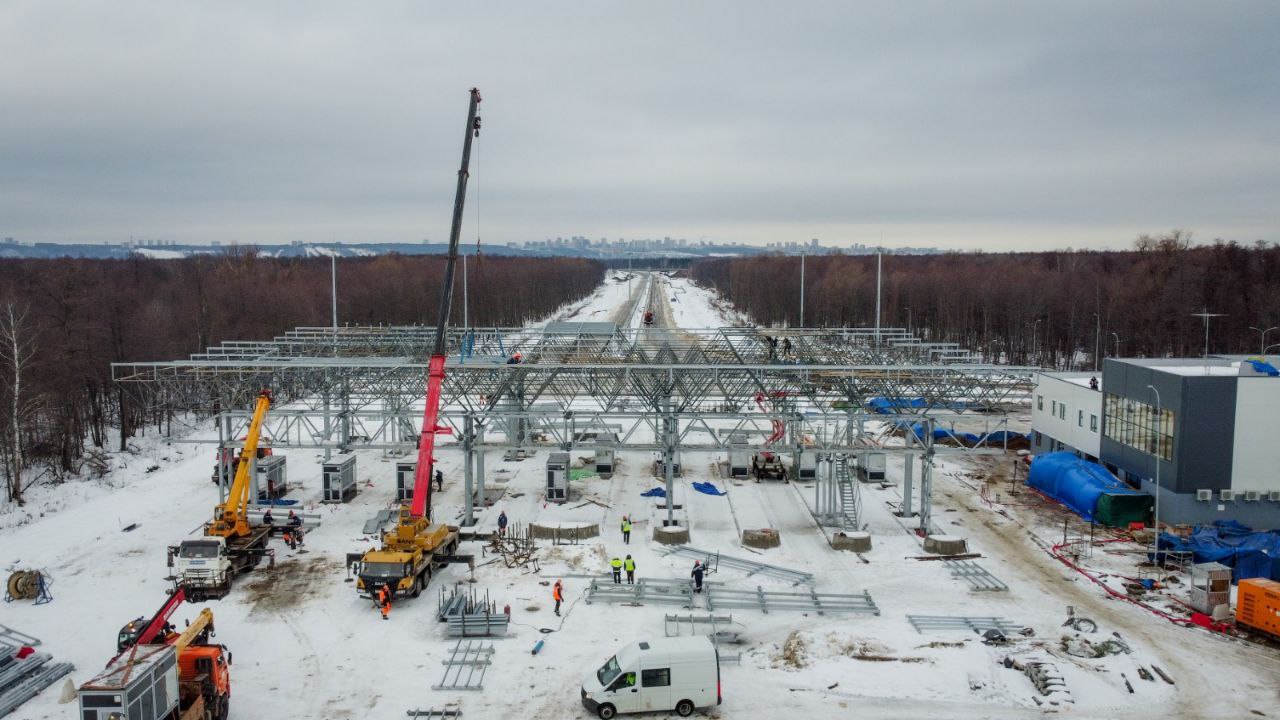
[306, 646]
[158, 254]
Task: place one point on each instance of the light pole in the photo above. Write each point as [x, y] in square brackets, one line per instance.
[1034, 348]
[1265, 349]
[1117, 337]
[333, 277]
[802, 289]
[908, 319]
[1155, 535]
[1097, 342]
[1264, 335]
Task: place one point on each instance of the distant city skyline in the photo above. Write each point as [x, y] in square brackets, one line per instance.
[962, 126]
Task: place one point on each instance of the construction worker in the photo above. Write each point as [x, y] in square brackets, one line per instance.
[295, 524]
[626, 529]
[384, 600]
[786, 347]
[616, 564]
[289, 539]
[502, 523]
[514, 359]
[630, 566]
[557, 594]
[439, 481]
[269, 522]
[697, 573]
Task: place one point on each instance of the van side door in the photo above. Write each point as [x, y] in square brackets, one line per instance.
[655, 688]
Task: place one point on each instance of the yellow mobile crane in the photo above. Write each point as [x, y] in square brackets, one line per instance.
[416, 546]
[205, 567]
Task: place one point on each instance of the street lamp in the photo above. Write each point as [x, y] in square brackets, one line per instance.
[1265, 349]
[1155, 535]
[1264, 335]
[1117, 337]
[1034, 350]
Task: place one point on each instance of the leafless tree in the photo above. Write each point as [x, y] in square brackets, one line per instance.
[17, 352]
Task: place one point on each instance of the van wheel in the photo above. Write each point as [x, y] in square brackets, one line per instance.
[684, 708]
[606, 711]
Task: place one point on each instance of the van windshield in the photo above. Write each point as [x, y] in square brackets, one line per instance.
[608, 672]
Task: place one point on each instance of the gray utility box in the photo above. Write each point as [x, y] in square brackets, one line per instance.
[339, 474]
[871, 467]
[806, 466]
[142, 684]
[271, 478]
[604, 463]
[739, 460]
[1210, 586]
[558, 477]
[404, 480]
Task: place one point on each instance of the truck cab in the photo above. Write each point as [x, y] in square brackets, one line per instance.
[203, 563]
[680, 674]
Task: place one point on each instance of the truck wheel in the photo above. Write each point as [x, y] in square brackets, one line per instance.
[416, 590]
[224, 708]
[684, 708]
[606, 711]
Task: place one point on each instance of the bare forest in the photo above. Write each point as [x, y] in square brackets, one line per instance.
[63, 322]
[1053, 309]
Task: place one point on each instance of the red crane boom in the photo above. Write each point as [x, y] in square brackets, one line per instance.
[421, 506]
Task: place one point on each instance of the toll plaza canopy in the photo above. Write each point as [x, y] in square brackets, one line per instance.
[1088, 489]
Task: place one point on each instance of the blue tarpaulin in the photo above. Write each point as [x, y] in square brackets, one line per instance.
[1263, 366]
[1081, 485]
[885, 406]
[1247, 552]
[707, 488]
[656, 492]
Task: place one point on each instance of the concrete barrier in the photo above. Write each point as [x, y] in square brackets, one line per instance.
[762, 538]
[671, 535]
[852, 542]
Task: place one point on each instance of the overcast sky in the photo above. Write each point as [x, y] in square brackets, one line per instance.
[1003, 125]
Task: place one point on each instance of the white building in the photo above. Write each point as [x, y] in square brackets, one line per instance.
[1066, 414]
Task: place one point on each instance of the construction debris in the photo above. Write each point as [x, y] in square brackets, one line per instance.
[433, 714]
[1163, 675]
[516, 547]
[29, 585]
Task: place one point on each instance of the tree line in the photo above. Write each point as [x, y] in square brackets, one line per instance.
[63, 322]
[1063, 310]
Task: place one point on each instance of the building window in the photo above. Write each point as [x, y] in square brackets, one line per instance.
[1053, 407]
[1080, 418]
[1093, 423]
[1039, 440]
[1039, 402]
[1138, 425]
[1062, 411]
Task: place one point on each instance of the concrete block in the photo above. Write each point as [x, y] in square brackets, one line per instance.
[762, 538]
[852, 542]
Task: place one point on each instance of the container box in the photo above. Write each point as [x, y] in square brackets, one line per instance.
[1258, 605]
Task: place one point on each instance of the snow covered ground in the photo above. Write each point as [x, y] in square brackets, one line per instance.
[305, 646]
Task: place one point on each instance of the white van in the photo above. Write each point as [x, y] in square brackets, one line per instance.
[670, 673]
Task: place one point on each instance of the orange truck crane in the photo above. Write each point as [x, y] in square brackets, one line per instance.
[205, 567]
[200, 671]
[412, 550]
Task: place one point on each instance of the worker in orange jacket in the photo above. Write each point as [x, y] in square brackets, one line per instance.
[384, 600]
[557, 594]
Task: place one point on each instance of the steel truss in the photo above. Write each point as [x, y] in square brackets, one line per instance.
[647, 389]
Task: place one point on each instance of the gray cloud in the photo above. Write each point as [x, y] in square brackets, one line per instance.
[996, 125]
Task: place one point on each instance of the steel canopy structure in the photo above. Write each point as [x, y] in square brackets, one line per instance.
[650, 388]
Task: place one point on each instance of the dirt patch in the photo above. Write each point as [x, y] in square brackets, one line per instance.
[285, 585]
